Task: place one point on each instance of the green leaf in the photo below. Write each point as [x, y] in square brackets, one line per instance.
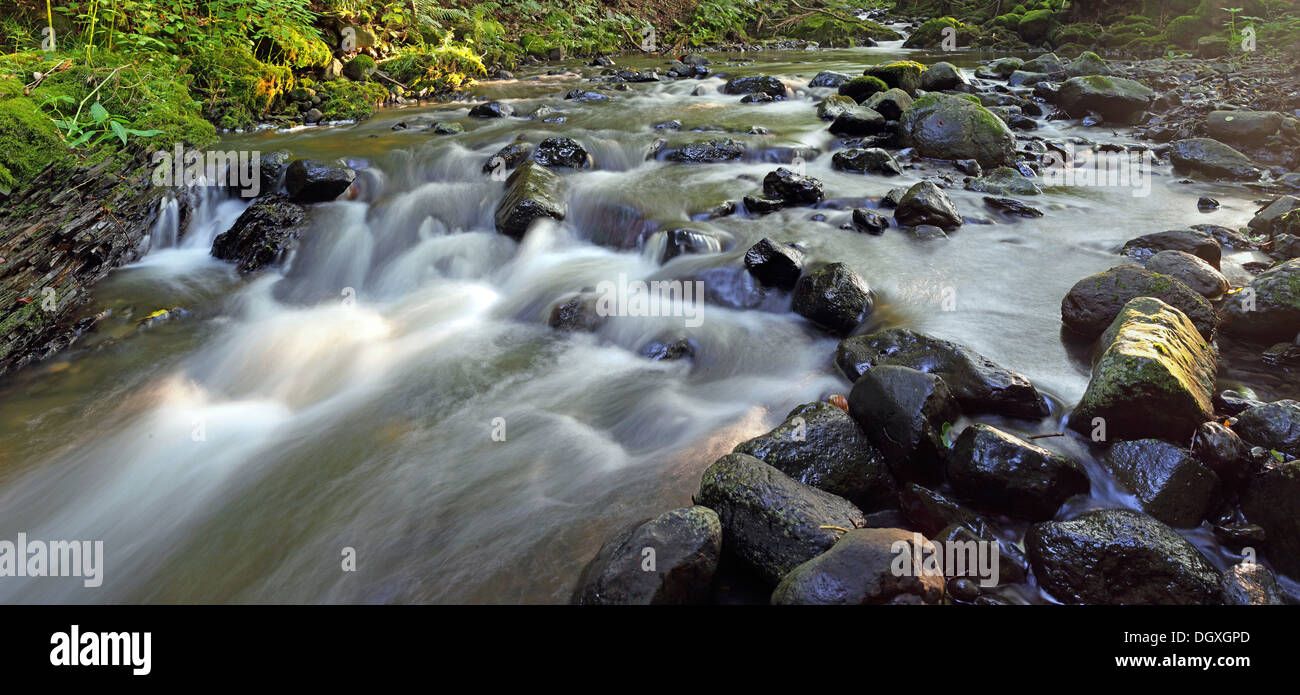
[98, 112]
[81, 140]
[118, 130]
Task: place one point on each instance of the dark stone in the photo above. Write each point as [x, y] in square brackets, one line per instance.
[1094, 302]
[1273, 425]
[681, 242]
[686, 544]
[1211, 158]
[507, 158]
[1269, 307]
[761, 206]
[828, 78]
[1172, 486]
[1198, 243]
[668, 349]
[869, 222]
[584, 95]
[263, 234]
[774, 263]
[820, 445]
[859, 571]
[1271, 499]
[1117, 556]
[905, 413]
[1219, 448]
[578, 313]
[492, 109]
[1251, 584]
[310, 181]
[999, 471]
[272, 166]
[926, 203]
[750, 84]
[1199, 276]
[834, 297]
[706, 152]
[792, 188]
[1012, 207]
[770, 521]
[565, 153]
[532, 192]
[978, 384]
[871, 160]
[858, 122]
[1234, 402]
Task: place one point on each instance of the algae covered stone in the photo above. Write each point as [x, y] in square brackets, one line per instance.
[1154, 379]
[943, 126]
[1115, 99]
[903, 74]
[1269, 307]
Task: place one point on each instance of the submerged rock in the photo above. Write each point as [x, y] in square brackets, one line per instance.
[1154, 378]
[926, 203]
[310, 181]
[532, 192]
[1004, 181]
[1117, 556]
[750, 84]
[999, 471]
[905, 413]
[943, 126]
[820, 445]
[978, 384]
[685, 545]
[492, 109]
[1094, 302]
[507, 158]
[828, 78]
[834, 297]
[859, 571]
[1172, 486]
[263, 234]
[770, 521]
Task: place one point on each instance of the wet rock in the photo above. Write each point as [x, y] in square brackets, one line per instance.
[870, 160]
[1269, 307]
[735, 287]
[869, 222]
[1251, 584]
[820, 445]
[1021, 78]
[905, 413]
[858, 571]
[562, 153]
[770, 521]
[1117, 556]
[310, 181]
[890, 103]
[774, 263]
[1234, 402]
[931, 512]
[828, 78]
[761, 206]
[1094, 302]
[262, 234]
[686, 544]
[577, 313]
[1271, 499]
[1115, 99]
[757, 98]
[943, 76]
[1168, 481]
[1211, 158]
[999, 471]
[1088, 63]
[1004, 181]
[969, 167]
[1011, 207]
[1223, 452]
[792, 188]
[492, 109]
[1206, 204]
[942, 126]
[833, 106]
[1194, 272]
[447, 128]
[706, 152]
[584, 95]
[1282, 354]
[834, 297]
[1266, 220]
[1226, 237]
[903, 74]
[1273, 425]
[1003, 67]
[668, 349]
[272, 166]
[976, 382]
[926, 232]
[926, 203]
[859, 89]
[681, 242]
[507, 158]
[1013, 567]
[1196, 242]
[532, 192]
[767, 84]
[1243, 128]
[1154, 378]
[857, 122]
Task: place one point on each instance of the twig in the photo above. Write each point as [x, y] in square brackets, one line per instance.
[1043, 436]
[834, 528]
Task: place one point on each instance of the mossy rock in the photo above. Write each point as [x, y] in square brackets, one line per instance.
[1007, 21]
[943, 126]
[350, 101]
[828, 31]
[903, 74]
[1082, 34]
[860, 89]
[931, 33]
[360, 68]
[242, 88]
[31, 142]
[1185, 31]
[1269, 307]
[1035, 25]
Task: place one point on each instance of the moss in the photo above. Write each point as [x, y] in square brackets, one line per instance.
[238, 88]
[932, 33]
[829, 31]
[30, 142]
[1007, 21]
[1082, 34]
[1185, 31]
[349, 101]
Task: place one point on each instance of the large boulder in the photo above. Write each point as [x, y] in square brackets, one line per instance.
[1115, 99]
[1248, 128]
[310, 181]
[859, 570]
[1199, 276]
[906, 413]
[1167, 480]
[820, 445]
[943, 76]
[1117, 556]
[831, 107]
[926, 203]
[683, 545]
[903, 74]
[532, 192]
[1271, 500]
[263, 233]
[943, 126]
[1092, 304]
[1155, 377]
[774, 263]
[1209, 157]
[834, 297]
[978, 384]
[770, 521]
[999, 471]
[1269, 307]
[1034, 25]
[1273, 426]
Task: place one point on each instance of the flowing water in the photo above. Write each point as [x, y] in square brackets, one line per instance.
[232, 450]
